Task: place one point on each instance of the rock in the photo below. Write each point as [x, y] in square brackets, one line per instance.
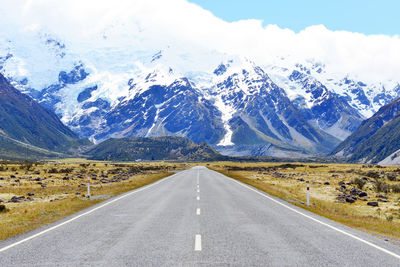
[373, 203]
[350, 199]
[354, 192]
[16, 199]
[1, 200]
[341, 198]
[31, 194]
[382, 200]
[326, 183]
[362, 194]
[381, 195]
[3, 208]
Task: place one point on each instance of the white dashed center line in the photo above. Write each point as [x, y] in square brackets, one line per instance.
[198, 198]
[197, 243]
[198, 211]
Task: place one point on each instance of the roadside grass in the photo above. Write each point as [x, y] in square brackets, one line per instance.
[61, 198]
[382, 220]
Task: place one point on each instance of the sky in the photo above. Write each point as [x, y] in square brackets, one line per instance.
[357, 39]
[363, 16]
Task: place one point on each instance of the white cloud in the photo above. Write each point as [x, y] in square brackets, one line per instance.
[150, 25]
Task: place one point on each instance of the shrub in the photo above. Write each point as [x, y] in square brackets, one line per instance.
[391, 176]
[372, 174]
[66, 170]
[52, 170]
[359, 182]
[3, 208]
[395, 188]
[26, 166]
[381, 186]
[389, 218]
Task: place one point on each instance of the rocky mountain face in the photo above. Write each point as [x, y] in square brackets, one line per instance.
[376, 139]
[23, 119]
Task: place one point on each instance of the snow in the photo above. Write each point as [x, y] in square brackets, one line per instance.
[227, 113]
[393, 159]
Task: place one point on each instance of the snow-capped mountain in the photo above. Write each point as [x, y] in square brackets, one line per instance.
[238, 107]
[124, 79]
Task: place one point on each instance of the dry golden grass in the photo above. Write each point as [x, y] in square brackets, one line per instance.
[290, 184]
[62, 197]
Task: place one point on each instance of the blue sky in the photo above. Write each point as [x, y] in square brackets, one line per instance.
[364, 16]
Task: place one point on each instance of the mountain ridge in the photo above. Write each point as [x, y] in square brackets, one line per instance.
[376, 139]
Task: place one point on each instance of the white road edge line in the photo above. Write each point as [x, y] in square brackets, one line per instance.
[325, 224]
[197, 243]
[81, 215]
[198, 211]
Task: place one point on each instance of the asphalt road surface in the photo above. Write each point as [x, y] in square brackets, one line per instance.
[197, 217]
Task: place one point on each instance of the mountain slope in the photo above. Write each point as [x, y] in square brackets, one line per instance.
[153, 148]
[14, 150]
[380, 145]
[376, 138]
[23, 119]
[367, 129]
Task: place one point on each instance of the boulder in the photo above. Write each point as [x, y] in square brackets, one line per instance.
[362, 194]
[349, 199]
[373, 203]
[16, 199]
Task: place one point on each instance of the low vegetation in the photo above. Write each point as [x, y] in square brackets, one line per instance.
[366, 197]
[35, 194]
[153, 148]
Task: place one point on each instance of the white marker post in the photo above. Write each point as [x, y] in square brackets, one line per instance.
[308, 194]
[88, 187]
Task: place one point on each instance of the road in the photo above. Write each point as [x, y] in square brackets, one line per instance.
[197, 217]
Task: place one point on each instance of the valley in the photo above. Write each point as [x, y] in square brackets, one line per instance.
[199, 133]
